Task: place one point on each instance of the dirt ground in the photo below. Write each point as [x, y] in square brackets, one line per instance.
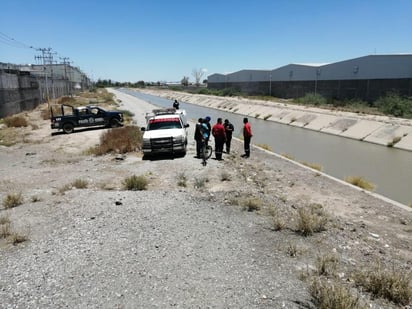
[362, 230]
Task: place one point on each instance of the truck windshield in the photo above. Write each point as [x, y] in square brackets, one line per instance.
[164, 123]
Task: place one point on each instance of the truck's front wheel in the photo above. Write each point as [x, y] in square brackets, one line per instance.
[68, 128]
[114, 123]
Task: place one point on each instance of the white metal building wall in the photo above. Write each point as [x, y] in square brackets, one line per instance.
[367, 67]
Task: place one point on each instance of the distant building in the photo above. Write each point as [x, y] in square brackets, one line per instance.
[365, 78]
[23, 87]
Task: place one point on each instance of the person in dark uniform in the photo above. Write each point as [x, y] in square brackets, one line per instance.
[229, 128]
[209, 127]
[176, 104]
[198, 137]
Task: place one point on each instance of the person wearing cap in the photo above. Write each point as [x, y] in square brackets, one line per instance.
[176, 104]
[229, 128]
[247, 136]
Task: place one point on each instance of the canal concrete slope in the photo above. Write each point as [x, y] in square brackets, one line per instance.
[381, 130]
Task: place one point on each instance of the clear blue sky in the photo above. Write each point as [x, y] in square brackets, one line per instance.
[163, 40]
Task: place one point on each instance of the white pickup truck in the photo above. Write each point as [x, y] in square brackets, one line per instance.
[165, 132]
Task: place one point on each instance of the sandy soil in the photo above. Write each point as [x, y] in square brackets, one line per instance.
[362, 230]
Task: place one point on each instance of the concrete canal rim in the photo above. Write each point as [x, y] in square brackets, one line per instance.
[342, 182]
[381, 130]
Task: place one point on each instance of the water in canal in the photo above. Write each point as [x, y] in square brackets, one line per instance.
[388, 168]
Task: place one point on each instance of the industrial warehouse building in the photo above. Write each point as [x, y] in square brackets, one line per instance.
[366, 78]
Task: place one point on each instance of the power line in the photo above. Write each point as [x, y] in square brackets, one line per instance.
[5, 39]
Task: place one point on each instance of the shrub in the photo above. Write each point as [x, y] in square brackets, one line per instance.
[16, 238]
[392, 285]
[16, 121]
[312, 99]
[182, 180]
[311, 219]
[292, 250]
[12, 200]
[360, 182]
[80, 184]
[5, 230]
[252, 204]
[201, 182]
[135, 183]
[326, 265]
[395, 105]
[328, 295]
[119, 140]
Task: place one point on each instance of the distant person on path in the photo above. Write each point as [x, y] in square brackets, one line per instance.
[176, 104]
[198, 137]
[218, 132]
[247, 136]
[229, 128]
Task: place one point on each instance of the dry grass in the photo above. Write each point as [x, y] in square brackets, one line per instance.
[393, 285]
[17, 238]
[80, 184]
[311, 219]
[292, 250]
[288, 156]
[119, 140]
[12, 200]
[264, 146]
[251, 204]
[200, 182]
[16, 121]
[6, 232]
[278, 222]
[182, 180]
[360, 182]
[135, 183]
[328, 295]
[314, 166]
[9, 136]
[327, 265]
[5, 227]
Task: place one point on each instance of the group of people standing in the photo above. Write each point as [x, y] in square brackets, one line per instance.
[222, 133]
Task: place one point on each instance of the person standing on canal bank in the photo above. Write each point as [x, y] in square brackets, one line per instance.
[228, 130]
[176, 104]
[219, 134]
[247, 136]
[198, 137]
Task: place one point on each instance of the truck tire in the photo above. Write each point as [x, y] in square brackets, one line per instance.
[114, 123]
[68, 128]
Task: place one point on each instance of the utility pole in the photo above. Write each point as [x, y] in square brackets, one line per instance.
[68, 82]
[44, 59]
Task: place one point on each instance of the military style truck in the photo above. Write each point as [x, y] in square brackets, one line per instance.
[66, 117]
[165, 132]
